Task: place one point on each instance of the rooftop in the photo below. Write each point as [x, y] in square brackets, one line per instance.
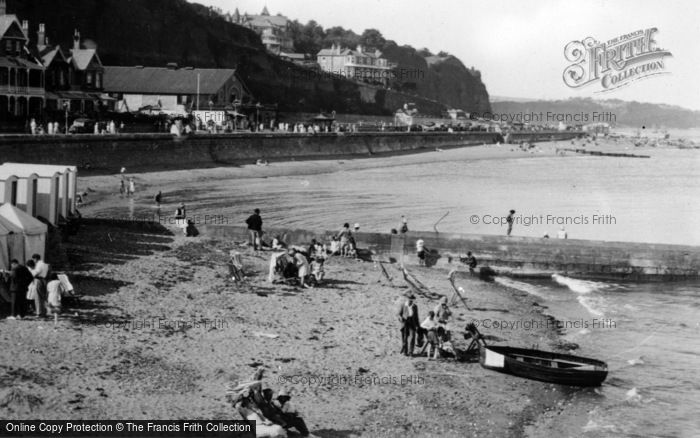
[164, 80]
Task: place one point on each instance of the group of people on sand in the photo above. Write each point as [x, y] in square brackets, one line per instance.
[343, 243]
[429, 336]
[303, 267]
[272, 413]
[32, 288]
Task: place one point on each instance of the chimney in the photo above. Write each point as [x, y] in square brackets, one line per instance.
[76, 40]
[3, 7]
[41, 41]
[25, 27]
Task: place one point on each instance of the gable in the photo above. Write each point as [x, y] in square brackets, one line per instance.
[14, 31]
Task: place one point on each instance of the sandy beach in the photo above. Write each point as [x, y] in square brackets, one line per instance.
[160, 328]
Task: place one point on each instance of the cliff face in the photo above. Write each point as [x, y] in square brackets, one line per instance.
[155, 32]
[441, 78]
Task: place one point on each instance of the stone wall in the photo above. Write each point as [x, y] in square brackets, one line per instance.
[520, 256]
[108, 153]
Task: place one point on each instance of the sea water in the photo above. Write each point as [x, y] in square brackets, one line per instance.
[601, 198]
[649, 334]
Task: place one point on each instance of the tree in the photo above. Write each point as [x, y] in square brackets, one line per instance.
[372, 38]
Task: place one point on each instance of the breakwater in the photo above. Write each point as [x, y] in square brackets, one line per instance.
[516, 256]
[153, 152]
[602, 154]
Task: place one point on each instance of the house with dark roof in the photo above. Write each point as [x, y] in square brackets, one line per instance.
[173, 89]
[274, 30]
[21, 73]
[73, 78]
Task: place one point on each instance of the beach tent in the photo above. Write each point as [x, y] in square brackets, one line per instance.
[33, 231]
[11, 243]
[5, 258]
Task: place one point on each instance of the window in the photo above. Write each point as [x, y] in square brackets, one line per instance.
[98, 80]
[88, 78]
[8, 46]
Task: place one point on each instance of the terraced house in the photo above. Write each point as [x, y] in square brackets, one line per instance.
[22, 91]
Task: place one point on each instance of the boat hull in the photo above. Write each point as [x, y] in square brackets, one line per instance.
[562, 369]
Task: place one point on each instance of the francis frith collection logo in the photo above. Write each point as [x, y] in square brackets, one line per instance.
[614, 63]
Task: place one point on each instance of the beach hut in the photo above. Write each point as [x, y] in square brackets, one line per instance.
[55, 193]
[19, 191]
[32, 230]
[9, 187]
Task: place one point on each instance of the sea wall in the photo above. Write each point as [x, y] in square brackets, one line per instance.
[108, 153]
[517, 256]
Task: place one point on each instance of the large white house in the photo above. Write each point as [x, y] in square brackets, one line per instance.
[359, 64]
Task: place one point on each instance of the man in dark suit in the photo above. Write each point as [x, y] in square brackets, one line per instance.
[19, 279]
[408, 317]
[255, 223]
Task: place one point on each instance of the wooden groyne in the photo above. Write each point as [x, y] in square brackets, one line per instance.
[602, 154]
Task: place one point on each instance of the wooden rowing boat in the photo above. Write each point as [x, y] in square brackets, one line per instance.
[545, 366]
[563, 369]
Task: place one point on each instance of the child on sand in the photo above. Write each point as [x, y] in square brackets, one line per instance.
[317, 269]
[420, 251]
[55, 291]
[430, 325]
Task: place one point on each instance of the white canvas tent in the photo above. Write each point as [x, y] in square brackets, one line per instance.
[11, 243]
[33, 232]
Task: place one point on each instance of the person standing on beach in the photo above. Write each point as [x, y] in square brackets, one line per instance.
[344, 235]
[181, 218]
[510, 219]
[132, 187]
[302, 265]
[40, 272]
[181, 211]
[408, 317]
[122, 187]
[471, 261]
[54, 290]
[19, 280]
[158, 198]
[562, 234]
[254, 223]
[404, 225]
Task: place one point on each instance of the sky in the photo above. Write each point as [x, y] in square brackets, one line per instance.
[519, 45]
